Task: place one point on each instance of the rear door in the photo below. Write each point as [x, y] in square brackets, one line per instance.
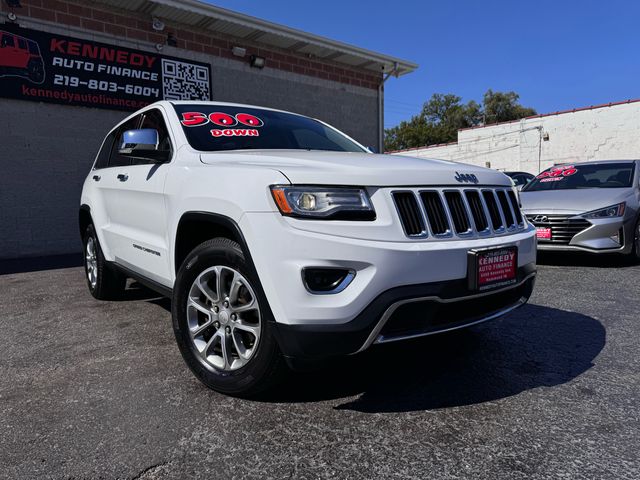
[137, 206]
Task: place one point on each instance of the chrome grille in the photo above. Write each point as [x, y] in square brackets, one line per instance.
[436, 214]
[458, 211]
[477, 210]
[445, 212]
[409, 212]
[563, 227]
[506, 210]
[494, 212]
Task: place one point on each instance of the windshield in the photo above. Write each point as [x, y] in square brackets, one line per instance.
[570, 177]
[211, 128]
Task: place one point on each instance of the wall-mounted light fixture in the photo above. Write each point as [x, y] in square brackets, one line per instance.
[157, 24]
[239, 51]
[257, 62]
[11, 16]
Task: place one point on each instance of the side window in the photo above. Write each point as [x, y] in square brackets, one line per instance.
[7, 41]
[519, 180]
[102, 161]
[22, 44]
[154, 119]
[117, 160]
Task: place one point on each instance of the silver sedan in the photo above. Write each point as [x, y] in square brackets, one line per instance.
[590, 206]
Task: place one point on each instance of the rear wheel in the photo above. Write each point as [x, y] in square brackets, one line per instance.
[103, 280]
[222, 322]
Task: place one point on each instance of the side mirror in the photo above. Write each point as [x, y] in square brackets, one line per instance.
[142, 143]
[372, 149]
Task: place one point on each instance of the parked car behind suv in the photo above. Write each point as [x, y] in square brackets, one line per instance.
[282, 240]
[591, 206]
[520, 179]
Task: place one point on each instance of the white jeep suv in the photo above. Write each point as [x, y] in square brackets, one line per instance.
[280, 240]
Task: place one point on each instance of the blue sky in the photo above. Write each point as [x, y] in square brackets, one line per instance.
[557, 55]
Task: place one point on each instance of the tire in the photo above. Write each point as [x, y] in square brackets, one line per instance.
[35, 71]
[634, 255]
[103, 280]
[222, 321]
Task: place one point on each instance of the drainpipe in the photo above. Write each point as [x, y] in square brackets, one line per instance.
[394, 72]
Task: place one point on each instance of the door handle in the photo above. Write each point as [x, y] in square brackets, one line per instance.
[96, 178]
[123, 177]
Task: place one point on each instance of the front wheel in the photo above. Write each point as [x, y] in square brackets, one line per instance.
[634, 255]
[222, 322]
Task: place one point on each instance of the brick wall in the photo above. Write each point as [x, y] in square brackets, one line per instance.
[137, 27]
[48, 149]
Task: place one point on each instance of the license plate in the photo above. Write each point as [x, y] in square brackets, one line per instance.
[493, 268]
[543, 233]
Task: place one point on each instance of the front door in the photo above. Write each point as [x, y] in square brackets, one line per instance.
[138, 216]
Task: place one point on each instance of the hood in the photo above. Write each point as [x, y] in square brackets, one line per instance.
[571, 201]
[350, 168]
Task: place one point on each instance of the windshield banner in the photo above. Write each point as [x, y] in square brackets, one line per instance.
[555, 174]
[47, 67]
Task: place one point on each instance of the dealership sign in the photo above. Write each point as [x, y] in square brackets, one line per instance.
[46, 67]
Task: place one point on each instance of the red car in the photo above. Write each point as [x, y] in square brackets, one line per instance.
[20, 57]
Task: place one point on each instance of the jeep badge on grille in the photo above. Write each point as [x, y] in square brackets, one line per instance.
[466, 177]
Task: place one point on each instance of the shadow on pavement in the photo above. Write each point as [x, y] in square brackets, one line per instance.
[136, 291]
[533, 347]
[584, 259]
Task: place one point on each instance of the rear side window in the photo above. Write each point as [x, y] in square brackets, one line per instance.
[22, 44]
[117, 160]
[33, 48]
[520, 180]
[102, 161]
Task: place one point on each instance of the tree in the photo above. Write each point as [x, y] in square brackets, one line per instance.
[443, 115]
[503, 107]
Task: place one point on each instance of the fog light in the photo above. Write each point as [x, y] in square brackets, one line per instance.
[618, 237]
[320, 280]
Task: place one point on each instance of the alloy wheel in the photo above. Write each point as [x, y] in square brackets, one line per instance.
[223, 317]
[91, 261]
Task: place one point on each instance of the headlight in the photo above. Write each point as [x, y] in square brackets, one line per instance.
[328, 203]
[608, 212]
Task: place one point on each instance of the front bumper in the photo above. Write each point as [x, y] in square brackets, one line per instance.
[432, 308]
[386, 272]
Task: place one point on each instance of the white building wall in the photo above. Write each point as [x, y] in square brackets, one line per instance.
[595, 133]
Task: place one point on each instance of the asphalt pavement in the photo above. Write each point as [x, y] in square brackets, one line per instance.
[92, 389]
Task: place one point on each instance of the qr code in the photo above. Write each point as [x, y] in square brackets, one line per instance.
[184, 81]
